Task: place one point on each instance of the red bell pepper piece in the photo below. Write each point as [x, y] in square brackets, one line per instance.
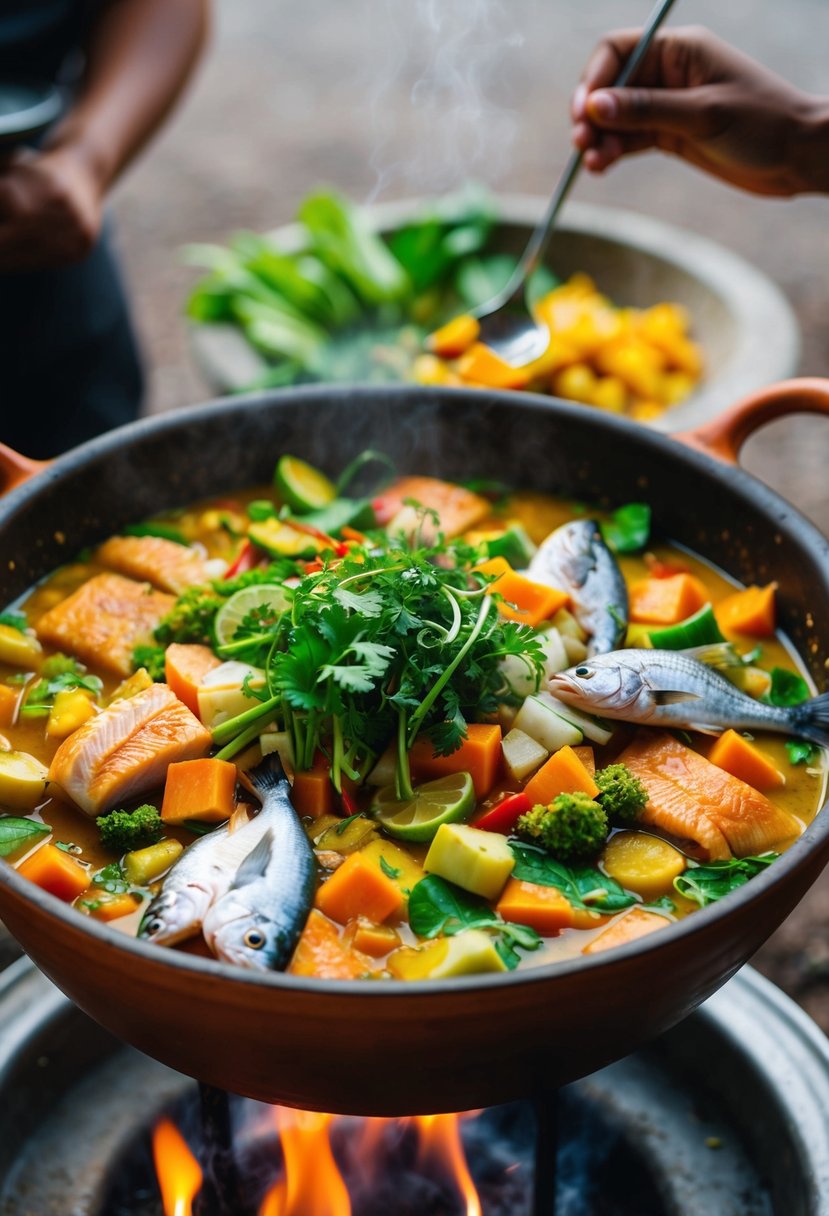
[503, 817]
[246, 559]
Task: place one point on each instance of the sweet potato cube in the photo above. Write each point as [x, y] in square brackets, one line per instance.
[563, 773]
[524, 601]
[321, 953]
[371, 939]
[55, 871]
[481, 365]
[185, 666]
[585, 754]
[634, 924]
[742, 759]
[359, 888]
[752, 611]
[479, 755]
[544, 909]
[111, 907]
[199, 789]
[312, 793]
[455, 337]
[666, 601]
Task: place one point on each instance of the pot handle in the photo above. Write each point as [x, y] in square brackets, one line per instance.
[15, 469]
[724, 437]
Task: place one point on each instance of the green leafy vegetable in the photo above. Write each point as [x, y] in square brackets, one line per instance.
[800, 751]
[390, 871]
[437, 907]
[14, 620]
[58, 673]
[17, 834]
[151, 658]
[787, 688]
[342, 239]
[162, 531]
[584, 887]
[706, 883]
[628, 529]
[112, 879]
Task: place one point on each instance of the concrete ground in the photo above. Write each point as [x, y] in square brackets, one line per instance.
[391, 98]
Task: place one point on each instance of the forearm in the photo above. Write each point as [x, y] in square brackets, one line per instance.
[809, 151]
[140, 56]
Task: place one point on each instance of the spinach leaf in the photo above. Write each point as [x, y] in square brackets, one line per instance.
[706, 883]
[787, 688]
[162, 531]
[800, 751]
[582, 886]
[438, 907]
[17, 834]
[628, 529]
[14, 620]
[343, 241]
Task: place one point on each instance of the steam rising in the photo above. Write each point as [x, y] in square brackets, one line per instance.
[457, 127]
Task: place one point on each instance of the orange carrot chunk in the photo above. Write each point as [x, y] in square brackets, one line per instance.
[371, 939]
[742, 759]
[524, 601]
[8, 704]
[634, 924]
[312, 792]
[185, 666]
[544, 909]
[563, 773]
[111, 908]
[199, 789]
[359, 888]
[752, 611]
[454, 338]
[321, 952]
[479, 755]
[666, 601]
[57, 872]
[481, 365]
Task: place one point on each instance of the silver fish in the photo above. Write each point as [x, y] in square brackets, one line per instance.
[575, 559]
[673, 688]
[258, 921]
[202, 874]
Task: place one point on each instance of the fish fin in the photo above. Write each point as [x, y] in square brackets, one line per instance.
[672, 696]
[256, 863]
[705, 728]
[266, 777]
[718, 655]
[811, 720]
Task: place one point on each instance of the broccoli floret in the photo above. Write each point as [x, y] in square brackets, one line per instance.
[123, 831]
[151, 658]
[573, 827]
[60, 665]
[191, 618]
[622, 795]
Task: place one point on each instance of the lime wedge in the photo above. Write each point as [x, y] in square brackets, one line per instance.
[236, 608]
[303, 487]
[447, 800]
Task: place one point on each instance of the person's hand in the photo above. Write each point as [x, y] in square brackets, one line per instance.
[50, 209]
[699, 98]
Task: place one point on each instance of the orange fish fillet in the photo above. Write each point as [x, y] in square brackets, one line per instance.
[104, 620]
[126, 749]
[457, 508]
[694, 799]
[166, 565]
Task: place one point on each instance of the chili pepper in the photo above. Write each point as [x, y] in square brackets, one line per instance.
[330, 543]
[349, 805]
[503, 817]
[359, 538]
[246, 559]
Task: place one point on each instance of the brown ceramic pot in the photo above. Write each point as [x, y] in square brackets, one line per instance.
[388, 1048]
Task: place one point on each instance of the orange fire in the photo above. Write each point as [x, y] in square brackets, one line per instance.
[179, 1175]
[440, 1147]
[313, 1185]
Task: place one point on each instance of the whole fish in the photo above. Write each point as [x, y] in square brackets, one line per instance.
[672, 688]
[202, 874]
[575, 559]
[258, 921]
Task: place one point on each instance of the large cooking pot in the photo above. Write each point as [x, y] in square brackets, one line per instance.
[390, 1048]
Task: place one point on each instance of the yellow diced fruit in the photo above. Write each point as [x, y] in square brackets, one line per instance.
[369, 938]
[676, 386]
[19, 649]
[636, 365]
[22, 780]
[8, 704]
[71, 708]
[609, 394]
[643, 411]
[397, 864]
[429, 369]
[145, 865]
[642, 863]
[139, 681]
[469, 953]
[575, 383]
[480, 862]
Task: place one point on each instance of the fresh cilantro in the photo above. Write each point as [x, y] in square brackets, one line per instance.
[706, 883]
[628, 529]
[584, 887]
[344, 823]
[390, 871]
[112, 879]
[60, 674]
[802, 752]
[14, 620]
[437, 907]
[787, 688]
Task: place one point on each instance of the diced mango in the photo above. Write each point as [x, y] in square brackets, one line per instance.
[544, 909]
[481, 365]
[70, 709]
[742, 759]
[399, 865]
[139, 681]
[469, 953]
[358, 888]
[480, 862]
[642, 863]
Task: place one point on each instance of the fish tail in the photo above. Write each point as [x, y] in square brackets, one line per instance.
[811, 720]
[266, 778]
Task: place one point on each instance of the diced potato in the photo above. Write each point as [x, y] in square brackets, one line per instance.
[145, 865]
[347, 836]
[575, 649]
[137, 682]
[480, 862]
[568, 626]
[521, 677]
[592, 728]
[522, 754]
[469, 953]
[22, 780]
[19, 649]
[541, 722]
[642, 863]
[70, 709]
[222, 696]
[278, 741]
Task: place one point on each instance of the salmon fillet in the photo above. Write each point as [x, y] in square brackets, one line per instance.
[126, 749]
[457, 509]
[166, 565]
[104, 620]
[692, 798]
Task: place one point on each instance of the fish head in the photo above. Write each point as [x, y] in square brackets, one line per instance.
[605, 685]
[172, 916]
[239, 935]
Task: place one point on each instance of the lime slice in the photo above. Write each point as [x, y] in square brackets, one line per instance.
[447, 800]
[236, 608]
[303, 487]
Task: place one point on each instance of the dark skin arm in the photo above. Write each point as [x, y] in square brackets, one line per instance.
[139, 57]
[701, 99]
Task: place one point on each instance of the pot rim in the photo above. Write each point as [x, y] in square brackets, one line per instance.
[814, 836]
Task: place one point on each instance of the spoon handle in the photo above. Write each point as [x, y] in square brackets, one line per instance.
[538, 242]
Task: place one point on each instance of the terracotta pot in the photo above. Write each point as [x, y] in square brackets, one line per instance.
[387, 1048]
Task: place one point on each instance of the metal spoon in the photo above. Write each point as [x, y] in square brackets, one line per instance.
[507, 326]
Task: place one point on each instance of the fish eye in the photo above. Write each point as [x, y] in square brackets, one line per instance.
[585, 672]
[254, 938]
[155, 925]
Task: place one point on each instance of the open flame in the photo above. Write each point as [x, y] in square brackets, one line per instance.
[179, 1175]
[440, 1147]
[313, 1184]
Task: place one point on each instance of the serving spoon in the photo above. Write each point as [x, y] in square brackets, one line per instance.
[506, 325]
